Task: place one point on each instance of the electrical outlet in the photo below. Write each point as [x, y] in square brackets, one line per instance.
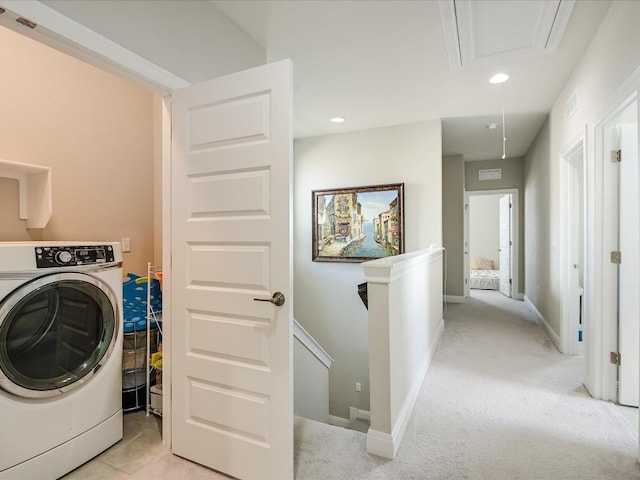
[358, 387]
[126, 245]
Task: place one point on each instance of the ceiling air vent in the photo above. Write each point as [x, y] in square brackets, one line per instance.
[485, 31]
[572, 105]
[26, 23]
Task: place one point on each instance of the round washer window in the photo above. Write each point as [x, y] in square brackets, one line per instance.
[55, 331]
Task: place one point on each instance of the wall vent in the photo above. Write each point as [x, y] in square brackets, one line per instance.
[572, 105]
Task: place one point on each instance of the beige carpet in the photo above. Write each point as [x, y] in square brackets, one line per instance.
[499, 402]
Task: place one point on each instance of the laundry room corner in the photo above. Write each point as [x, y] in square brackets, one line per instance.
[98, 138]
[95, 131]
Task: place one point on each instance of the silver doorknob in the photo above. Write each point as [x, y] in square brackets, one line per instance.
[277, 299]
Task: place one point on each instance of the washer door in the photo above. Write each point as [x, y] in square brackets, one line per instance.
[55, 333]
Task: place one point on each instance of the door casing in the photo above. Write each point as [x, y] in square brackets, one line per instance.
[515, 287]
[574, 153]
[600, 307]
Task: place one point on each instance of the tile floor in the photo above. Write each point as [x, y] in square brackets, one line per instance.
[140, 455]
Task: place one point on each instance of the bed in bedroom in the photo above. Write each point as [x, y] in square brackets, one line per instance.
[483, 276]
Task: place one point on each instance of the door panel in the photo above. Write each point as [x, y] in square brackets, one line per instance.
[505, 245]
[231, 190]
[629, 280]
[466, 257]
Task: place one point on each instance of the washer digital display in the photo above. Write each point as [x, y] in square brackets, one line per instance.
[62, 256]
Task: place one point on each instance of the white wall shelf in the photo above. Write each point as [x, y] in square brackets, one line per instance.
[34, 183]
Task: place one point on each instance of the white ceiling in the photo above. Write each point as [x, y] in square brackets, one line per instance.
[374, 62]
[386, 62]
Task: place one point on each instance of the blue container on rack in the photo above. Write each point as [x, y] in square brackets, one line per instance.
[134, 294]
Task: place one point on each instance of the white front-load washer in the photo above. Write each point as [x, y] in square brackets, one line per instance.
[60, 355]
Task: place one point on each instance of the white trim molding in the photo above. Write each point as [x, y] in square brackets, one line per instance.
[553, 336]
[381, 444]
[386, 445]
[311, 344]
[67, 35]
[515, 236]
[358, 414]
[454, 299]
[338, 421]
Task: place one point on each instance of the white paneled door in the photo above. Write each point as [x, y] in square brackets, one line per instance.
[505, 245]
[628, 276]
[231, 247]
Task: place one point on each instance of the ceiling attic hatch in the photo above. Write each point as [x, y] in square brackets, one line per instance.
[479, 31]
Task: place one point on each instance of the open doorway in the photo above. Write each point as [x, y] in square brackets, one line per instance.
[491, 241]
[620, 141]
[573, 210]
[280, 99]
[612, 286]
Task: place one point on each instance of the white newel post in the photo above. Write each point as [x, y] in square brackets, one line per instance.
[405, 325]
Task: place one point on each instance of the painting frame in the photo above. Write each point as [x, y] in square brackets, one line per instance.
[357, 224]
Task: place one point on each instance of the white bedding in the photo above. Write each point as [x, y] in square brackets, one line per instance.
[485, 279]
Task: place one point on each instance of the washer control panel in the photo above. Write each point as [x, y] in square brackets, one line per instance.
[71, 256]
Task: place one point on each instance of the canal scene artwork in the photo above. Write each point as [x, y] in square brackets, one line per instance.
[358, 224]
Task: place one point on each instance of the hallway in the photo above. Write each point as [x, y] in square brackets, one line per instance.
[499, 402]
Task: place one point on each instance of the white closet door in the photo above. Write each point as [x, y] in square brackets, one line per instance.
[629, 278]
[231, 191]
[505, 245]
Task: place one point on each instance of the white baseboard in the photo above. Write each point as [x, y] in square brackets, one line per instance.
[380, 444]
[385, 444]
[338, 421]
[357, 414]
[518, 296]
[555, 338]
[453, 299]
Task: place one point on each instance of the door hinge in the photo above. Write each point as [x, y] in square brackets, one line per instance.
[616, 257]
[616, 156]
[614, 358]
[510, 282]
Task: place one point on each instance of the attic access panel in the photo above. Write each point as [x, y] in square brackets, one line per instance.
[476, 31]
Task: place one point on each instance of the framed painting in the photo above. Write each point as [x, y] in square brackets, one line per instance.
[357, 224]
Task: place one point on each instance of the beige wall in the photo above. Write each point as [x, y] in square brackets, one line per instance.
[611, 58]
[512, 177]
[512, 169]
[95, 132]
[326, 299]
[453, 223]
[538, 194]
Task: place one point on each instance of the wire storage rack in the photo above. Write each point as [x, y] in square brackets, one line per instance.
[154, 348]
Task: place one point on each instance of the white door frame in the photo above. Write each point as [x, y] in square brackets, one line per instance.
[600, 374]
[515, 264]
[68, 36]
[569, 343]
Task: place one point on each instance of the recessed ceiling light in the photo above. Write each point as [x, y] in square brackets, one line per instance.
[499, 78]
[492, 126]
[337, 119]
